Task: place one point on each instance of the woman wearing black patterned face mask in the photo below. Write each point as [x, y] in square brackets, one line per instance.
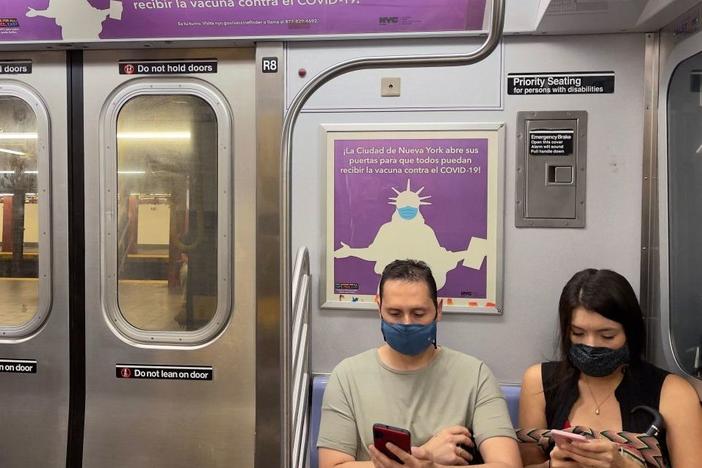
[600, 378]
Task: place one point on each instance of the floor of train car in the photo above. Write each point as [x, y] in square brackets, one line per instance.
[146, 304]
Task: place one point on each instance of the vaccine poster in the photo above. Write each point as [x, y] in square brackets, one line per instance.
[432, 195]
[98, 20]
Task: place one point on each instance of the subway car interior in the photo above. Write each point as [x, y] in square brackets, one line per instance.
[197, 201]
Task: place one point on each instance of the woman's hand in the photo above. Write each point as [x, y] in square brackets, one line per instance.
[420, 458]
[597, 453]
[560, 458]
[445, 447]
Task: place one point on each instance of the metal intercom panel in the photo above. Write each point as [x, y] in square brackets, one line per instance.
[551, 169]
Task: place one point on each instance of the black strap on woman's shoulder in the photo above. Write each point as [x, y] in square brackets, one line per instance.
[560, 383]
[641, 385]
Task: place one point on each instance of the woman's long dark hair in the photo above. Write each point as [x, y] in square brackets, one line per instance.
[609, 294]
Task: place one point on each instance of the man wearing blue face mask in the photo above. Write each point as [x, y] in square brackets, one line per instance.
[450, 402]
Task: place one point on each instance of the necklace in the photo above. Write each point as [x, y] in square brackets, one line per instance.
[597, 405]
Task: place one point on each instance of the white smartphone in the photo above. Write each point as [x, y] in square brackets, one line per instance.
[563, 437]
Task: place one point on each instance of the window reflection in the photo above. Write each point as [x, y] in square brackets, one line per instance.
[685, 199]
[167, 212]
[19, 215]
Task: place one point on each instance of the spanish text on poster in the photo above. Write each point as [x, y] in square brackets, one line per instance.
[97, 20]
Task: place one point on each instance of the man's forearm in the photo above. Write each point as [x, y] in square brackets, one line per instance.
[355, 464]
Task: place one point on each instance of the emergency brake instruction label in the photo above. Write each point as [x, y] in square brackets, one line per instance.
[152, 372]
[15, 67]
[551, 142]
[169, 67]
[18, 366]
[533, 84]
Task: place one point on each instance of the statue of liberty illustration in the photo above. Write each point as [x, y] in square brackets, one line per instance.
[78, 19]
[406, 235]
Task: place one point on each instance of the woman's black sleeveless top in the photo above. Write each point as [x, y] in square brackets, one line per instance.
[641, 385]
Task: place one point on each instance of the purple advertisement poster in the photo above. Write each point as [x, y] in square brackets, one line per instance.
[95, 20]
[420, 198]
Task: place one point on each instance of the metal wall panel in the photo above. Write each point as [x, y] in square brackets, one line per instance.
[538, 262]
[421, 88]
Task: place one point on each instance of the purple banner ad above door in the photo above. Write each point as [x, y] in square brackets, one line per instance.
[104, 20]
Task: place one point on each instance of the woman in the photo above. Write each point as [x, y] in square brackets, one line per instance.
[601, 377]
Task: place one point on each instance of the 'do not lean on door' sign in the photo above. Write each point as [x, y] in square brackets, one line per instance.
[158, 372]
[18, 366]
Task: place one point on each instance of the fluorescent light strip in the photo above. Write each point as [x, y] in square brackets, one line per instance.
[7, 172]
[19, 136]
[131, 172]
[18, 153]
[154, 135]
[31, 172]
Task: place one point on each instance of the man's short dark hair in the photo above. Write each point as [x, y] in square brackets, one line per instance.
[409, 270]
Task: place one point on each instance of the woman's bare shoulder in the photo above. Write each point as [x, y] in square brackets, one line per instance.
[531, 380]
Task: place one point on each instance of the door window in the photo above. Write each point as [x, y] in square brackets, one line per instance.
[685, 207]
[20, 223]
[167, 212]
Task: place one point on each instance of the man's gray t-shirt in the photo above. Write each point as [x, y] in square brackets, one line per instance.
[453, 389]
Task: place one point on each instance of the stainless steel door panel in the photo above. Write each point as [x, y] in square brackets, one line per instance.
[34, 411]
[172, 423]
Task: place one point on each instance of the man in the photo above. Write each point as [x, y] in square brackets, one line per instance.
[441, 396]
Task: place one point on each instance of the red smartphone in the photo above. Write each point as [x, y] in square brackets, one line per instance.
[383, 433]
[561, 437]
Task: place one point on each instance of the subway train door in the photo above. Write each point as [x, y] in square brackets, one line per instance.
[34, 357]
[170, 258]
[681, 174]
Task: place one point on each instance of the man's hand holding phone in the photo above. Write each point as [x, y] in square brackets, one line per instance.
[384, 434]
[419, 458]
[392, 448]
